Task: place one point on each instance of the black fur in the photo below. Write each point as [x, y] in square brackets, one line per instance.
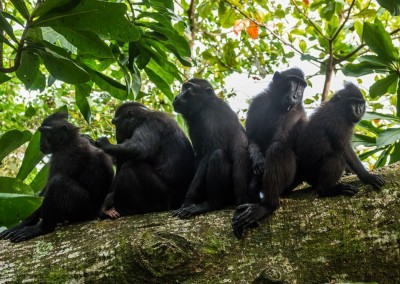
[324, 146]
[274, 120]
[220, 145]
[155, 161]
[79, 178]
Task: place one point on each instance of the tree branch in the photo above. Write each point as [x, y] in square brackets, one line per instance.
[345, 21]
[279, 38]
[308, 19]
[18, 56]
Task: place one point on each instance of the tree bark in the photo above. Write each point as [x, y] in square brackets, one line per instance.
[307, 240]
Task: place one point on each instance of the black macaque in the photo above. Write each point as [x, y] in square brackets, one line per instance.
[79, 178]
[274, 121]
[155, 162]
[324, 146]
[220, 145]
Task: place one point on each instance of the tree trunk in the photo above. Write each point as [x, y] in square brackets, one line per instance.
[308, 240]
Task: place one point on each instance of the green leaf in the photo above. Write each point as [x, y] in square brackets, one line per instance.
[136, 81]
[21, 7]
[64, 69]
[393, 6]
[106, 19]
[395, 155]
[303, 46]
[82, 91]
[31, 158]
[383, 157]
[51, 5]
[174, 38]
[86, 41]
[160, 83]
[161, 72]
[39, 83]
[227, 15]
[12, 140]
[114, 88]
[29, 68]
[363, 68]
[182, 60]
[3, 78]
[328, 10]
[373, 59]
[6, 41]
[379, 40]
[375, 115]
[381, 87]
[367, 154]
[368, 125]
[15, 207]
[163, 4]
[160, 57]
[359, 139]
[11, 17]
[14, 185]
[40, 179]
[5, 26]
[388, 137]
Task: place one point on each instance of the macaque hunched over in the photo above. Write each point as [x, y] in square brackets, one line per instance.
[79, 178]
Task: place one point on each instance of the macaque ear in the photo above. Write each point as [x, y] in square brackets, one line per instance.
[335, 98]
[210, 91]
[129, 113]
[277, 76]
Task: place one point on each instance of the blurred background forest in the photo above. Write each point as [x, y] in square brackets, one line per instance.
[88, 56]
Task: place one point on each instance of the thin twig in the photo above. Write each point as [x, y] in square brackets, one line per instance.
[308, 19]
[279, 38]
[345, 20]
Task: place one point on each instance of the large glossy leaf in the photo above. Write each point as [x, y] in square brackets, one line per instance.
[12, 140]
[359, 139]
[40, 179]
[383, 86]
[367, 154]
[395, 155]
[3, 78]
[5, 25]
[160, 4]
[14, 185]
[51, 5]
[39, 83]
[383, 157]
[82, 91]
[226, 15]
[363, 68]
[64, 69]
[160, 83]
[388, 137]
[87, 42]
[15, 207]
[31, 158]
[373, 59]
[21, 7]
[161, 72]
[375, 115]
[136, 81]
[29, 68]
[379, 40]
[368, 125]
[114, 88]
[393, 6]
[106, 19]
[179, 42]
